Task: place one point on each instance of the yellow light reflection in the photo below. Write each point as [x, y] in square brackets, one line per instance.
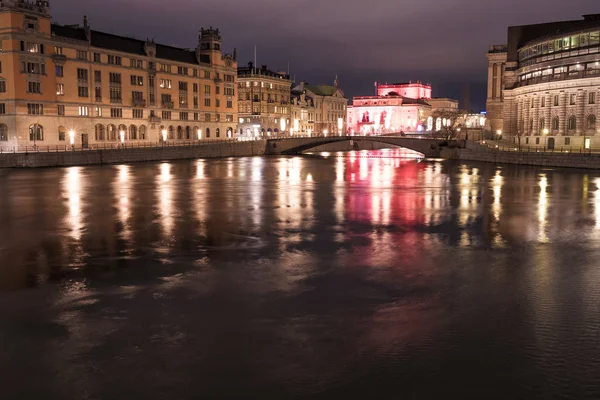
[72, 186]
[497, 184]
[165, 195]
[597, 202]
[122, 191]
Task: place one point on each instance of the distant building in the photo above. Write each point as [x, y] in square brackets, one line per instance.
[544, 85]
[263, 101]
[401, 107]
[303, 114]
[63, 85]
[330, 106]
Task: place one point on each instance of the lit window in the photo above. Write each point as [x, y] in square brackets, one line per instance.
[84, 111]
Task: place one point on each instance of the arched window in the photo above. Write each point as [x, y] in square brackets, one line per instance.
[438, 124]
[171, 130]
[542, 124]
[218, 132]
[143, 132]
[99, 132]
[195, 132]
[572, 123]
[36, 132]
[590, 123]
[179, 133]
[3, 133]
[530, 125]
[62, 133]
[111, 132]
[207, 132]
[133, 132]
[188, 133]
[123, 131]
[555, 123]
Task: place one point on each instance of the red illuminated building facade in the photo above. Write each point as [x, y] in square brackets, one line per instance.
[401, 107]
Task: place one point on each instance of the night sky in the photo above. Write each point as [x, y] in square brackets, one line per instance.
[442, 42]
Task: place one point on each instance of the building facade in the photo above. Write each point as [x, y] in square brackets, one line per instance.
[302, 114]
[330, 106]
[263, 101]
[549, 84]
[71, 85]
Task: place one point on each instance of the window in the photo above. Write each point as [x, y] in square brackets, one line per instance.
[151, 81]
[62, 134]
[555, 123]
[115, 60]
[60, 89]
[60, 71]
[33, 68]
[2, 108]
[58, 51]
[99, 132]
[572, 123]
[555, 100]
[2, 86]
[165, 68]
[592, 98]
[229, 118]
[116, 113]
[83, 91]
[114, 79]
[115, 95]
[137, 96]
[217, 90]
[142, 132]
[133, 63]
[183, 86]
[572, 99]
[543, 101]
[183, 116]
[165, 84]
[133, 132]
[195, 72]
[98, 111]
[3, 133]
[537, 140]
[206, 89]
[195, 88]
[34, 87]
[182, 70]
[166, 115]
[218, 102]
[207, 102]
[206, 74]
[229, 104]
[97, 57]
[82, 55]
[98, 93]
[231, 92]
[137, 80]
[218, 117]
[195, 116]
[138, 114]
[84, 111]
[36, 132]
[229, 78]
[542, 124]
[30, 47]
[195, 101]
[590, 123]
[207, 117]
[98, 76]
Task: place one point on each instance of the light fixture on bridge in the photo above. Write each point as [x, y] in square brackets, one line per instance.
[309, 132]
[296, 125]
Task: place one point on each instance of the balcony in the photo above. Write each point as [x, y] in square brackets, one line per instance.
[167, 105]
[588, 73]
[136, 102]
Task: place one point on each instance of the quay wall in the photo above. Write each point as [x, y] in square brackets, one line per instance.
[132, 155]
[559, 160]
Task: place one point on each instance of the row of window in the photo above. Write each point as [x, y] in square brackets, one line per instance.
[572, 42]
[264, 85]
[592, 68]
[591, 99]
[187, 133]
[184, 116]
[590, 124]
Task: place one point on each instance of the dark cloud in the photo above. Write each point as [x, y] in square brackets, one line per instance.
[439, 41]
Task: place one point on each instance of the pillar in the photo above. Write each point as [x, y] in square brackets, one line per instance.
[580, 113]
[536, 116]
[519, 115]
[562, 113]
[526, 116]
[548, 111]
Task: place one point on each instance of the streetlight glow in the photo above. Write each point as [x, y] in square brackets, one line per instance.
[72, 137]
[164, 135]
[122, 136]
[199, 132]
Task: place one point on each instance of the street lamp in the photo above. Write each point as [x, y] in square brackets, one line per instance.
[122, 136]
[309, 132]
[199, 132]
[72, 137]
[164, 135]
[325, 132]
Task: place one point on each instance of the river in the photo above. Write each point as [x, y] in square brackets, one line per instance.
[358, 275]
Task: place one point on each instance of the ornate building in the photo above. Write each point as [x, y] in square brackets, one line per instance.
[330, 106]
[263, 101]
[63, 85]
[302, 114]
[545, 84]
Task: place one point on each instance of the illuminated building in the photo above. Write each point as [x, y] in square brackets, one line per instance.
[401, 107]
[544, 86]
[330, 106]
[62, 83]
[303, 114]
[263, 101]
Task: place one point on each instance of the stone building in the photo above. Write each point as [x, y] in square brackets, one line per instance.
[330, 106]
[263, 101]
[63, 85]
[546, 84]
[302, 114]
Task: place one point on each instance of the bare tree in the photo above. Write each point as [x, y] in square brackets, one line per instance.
[454, 122]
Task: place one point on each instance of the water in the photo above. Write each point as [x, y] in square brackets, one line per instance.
[356, 276]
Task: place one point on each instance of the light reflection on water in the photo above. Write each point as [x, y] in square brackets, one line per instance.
[310, 273]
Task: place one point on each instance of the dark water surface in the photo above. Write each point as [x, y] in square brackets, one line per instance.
[274, 278]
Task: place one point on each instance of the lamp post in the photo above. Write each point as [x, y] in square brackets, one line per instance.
[164, 135]
[199, 133]
[122, 136]
[72, 138]
[545, 138]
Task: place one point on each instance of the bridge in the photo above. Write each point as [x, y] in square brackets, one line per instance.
[430, 148]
